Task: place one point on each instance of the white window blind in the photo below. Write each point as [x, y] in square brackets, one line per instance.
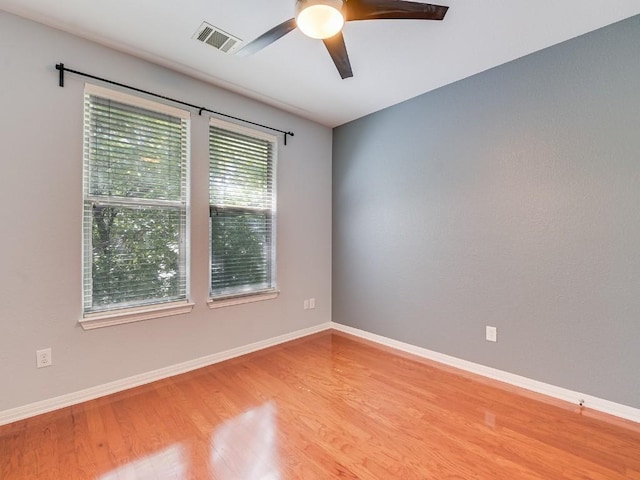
[242, 210]
[135, 202]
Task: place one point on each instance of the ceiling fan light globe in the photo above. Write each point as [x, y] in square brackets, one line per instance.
[319, 18]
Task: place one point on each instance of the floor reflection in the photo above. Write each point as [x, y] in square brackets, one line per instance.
[490, 419]
[246, 446]
[165, 465]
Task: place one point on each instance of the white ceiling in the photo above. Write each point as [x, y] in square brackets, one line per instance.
[392, 60]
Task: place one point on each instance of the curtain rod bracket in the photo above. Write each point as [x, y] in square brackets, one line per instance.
[286, 134]
[60, 67]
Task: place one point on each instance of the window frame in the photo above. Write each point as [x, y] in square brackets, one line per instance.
[242, 297]
[154, 309]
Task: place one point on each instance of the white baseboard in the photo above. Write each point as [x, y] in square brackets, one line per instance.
[49, 405]
[44, 406]
[595, 403]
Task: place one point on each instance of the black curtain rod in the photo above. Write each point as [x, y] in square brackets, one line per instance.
[61, 68]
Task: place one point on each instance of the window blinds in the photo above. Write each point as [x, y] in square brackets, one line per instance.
[135, 203]
[242, 210]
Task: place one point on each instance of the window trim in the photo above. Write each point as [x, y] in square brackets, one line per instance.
[238, 298]
[122, 315]
[118, 96]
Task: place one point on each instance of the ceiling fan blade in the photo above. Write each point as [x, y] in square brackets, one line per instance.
[338, 51]
[392, 9]
[267, 38]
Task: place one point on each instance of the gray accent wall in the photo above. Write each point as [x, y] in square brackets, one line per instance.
[512, 199]
[41, 218]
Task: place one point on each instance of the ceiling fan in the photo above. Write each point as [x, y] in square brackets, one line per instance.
[324, 19]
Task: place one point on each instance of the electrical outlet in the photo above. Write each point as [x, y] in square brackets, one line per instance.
[43, 358]
[312, 303]
[492, 334]
[305, 305]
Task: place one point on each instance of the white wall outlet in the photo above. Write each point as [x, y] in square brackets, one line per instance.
[492, 334]
[312, 303]
[305, 304]
[43, 358]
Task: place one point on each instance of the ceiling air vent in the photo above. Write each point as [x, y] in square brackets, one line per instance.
[217, 38]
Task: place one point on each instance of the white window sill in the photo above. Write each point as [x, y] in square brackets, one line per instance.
[239, 300]
[108, 319]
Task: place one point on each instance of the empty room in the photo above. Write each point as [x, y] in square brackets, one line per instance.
[320, 239]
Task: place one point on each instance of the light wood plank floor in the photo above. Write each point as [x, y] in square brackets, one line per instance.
[324, 407]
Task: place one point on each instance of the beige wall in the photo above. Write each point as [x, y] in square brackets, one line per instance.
[40, 206]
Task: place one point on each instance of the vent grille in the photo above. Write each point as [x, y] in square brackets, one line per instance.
[204, 34]
[217, 38]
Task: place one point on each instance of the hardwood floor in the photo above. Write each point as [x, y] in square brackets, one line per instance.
[324, 407]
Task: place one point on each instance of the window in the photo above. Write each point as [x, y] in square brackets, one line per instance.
[135, 222]
[242, 211]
